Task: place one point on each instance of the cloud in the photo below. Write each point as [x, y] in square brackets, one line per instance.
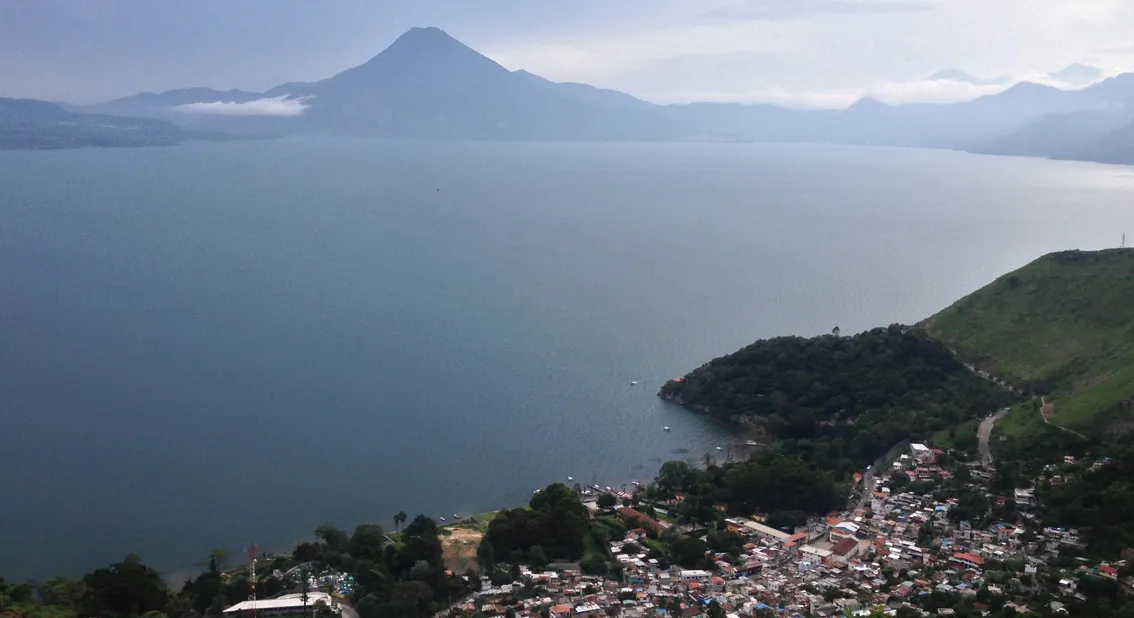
[273, 106]
[779, 10]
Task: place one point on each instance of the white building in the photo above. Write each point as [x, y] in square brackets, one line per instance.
[287, 604]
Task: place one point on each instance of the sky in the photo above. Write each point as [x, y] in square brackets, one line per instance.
[806, 53]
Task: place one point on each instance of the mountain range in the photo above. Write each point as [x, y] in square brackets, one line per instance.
[28, 124]
[429, 85]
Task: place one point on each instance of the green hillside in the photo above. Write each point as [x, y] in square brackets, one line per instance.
[840, 402]
[1062, 326]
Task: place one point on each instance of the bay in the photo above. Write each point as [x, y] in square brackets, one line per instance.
[211, 345]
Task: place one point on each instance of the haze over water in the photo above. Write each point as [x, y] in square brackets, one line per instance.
[214, 344]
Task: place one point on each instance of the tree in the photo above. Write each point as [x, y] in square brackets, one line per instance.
[689, 552]
[593, 565]
[127, 588]
[399, 519]
[715, 610]
[606, 500]
[486, 556]
[537, 557]
[367, 542]
[336, 540]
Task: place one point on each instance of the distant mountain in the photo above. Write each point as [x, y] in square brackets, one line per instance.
[427, 84]
[1076, 75]
[27, 124]
[586, 92]
[1058, 135]
[162, 104]
[957, 75]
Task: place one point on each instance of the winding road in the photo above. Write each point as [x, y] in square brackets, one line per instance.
[984, 433]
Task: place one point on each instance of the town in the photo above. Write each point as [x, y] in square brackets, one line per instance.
[923, 536]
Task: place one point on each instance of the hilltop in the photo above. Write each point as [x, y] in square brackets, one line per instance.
[840, 402]
[1062, 326]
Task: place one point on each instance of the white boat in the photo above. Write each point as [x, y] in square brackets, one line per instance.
[751, 443]
[441, 518]
[719, 448]
[570, 478]
[633, 383]
[455, 516]
[666, 428]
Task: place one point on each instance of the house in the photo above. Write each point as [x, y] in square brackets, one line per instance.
[967, 561]
[1108, 572]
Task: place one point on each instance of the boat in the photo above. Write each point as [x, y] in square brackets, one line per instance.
[596, 487]
[636, 483]
[719, 448]
[455, 516]
[570, 478]
[441, 518]
[751, 443]
[633, 383]
[666, 428]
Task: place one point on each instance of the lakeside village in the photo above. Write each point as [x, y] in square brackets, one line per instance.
[901, 549]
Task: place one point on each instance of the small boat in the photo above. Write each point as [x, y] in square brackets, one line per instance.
[636, 483]
[455, 516]
[441, 518]
[633, 382]
[719, 448]
[570, 478]
[536, 491]
[751, 443]
[596, 487]
[666, 428]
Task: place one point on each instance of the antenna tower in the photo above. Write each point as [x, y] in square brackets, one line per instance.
[1122, 245]
[252, 552]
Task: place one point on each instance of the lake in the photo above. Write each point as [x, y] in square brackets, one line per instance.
[217, 344]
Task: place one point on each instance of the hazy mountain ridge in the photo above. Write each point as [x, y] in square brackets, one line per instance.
[427, 84]
[27, 124]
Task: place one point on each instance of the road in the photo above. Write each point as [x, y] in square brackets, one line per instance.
[984, 433]
[1043, 403]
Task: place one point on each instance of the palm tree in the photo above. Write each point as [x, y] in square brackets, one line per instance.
[399, 519]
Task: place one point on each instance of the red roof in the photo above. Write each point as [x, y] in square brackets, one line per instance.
[634, 516]
[844, 547]
[973, 558]
[834, 521]
[795, 538]
[1109, 570]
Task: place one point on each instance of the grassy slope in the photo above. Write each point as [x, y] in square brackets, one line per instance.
[1063, 325]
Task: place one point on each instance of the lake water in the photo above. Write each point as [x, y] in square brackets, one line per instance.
[215, 344]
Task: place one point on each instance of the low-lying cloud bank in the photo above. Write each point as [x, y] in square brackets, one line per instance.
[273, 106]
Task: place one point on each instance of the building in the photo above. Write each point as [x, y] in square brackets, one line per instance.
[765, 532]
[843, 530]
[844, 551]
[694, 575]
[967, 561]
[288, 604]
[921, 453]
[635, 518]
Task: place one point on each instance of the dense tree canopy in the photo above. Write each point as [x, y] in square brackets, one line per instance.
[840, 402]
[556, 521]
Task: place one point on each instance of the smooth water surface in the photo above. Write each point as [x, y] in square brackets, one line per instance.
[216, 344]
